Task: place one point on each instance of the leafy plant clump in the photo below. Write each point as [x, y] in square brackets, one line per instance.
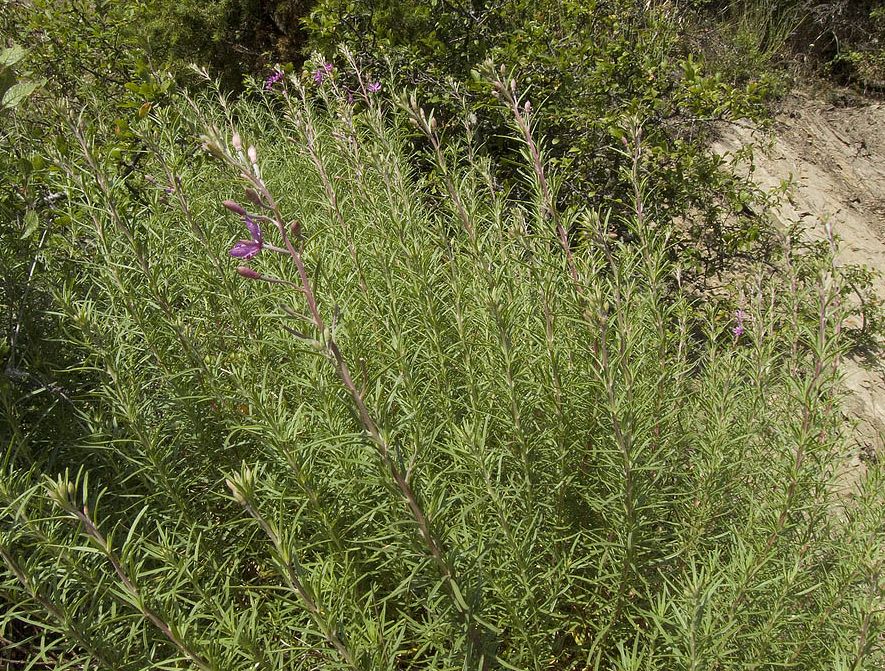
[592, 65]
[341, 419]
[839, 39]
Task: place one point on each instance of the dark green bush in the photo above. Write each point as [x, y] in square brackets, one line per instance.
[233, 37]
[588, 67]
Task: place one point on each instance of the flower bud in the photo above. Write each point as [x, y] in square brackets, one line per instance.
[237, 142]
[234, 207]
[248, 273]
[253, 196]
[236, 492]
[212, 147]
[253, 154]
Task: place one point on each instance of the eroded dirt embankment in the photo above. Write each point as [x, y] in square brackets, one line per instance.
[835, 157]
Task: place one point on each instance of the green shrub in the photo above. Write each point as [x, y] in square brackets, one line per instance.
[863, 57]
[234, 37]
[590, 66]
[841, 39]
[420, 429]
[77, 45]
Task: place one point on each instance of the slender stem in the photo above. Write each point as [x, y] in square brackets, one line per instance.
[68, 624]
[383, 449]
[295, 577]
[137, 598]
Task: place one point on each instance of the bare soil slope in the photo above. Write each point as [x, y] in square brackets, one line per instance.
[835, 156]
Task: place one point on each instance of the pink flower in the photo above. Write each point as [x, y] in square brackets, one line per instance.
[374, 87]
[322, 72]
[739, 316]
[273, 79]
[246, 249]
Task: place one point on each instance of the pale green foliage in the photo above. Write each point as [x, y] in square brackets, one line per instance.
[616, 481]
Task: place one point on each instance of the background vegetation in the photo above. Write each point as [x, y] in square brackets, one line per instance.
[469, 404]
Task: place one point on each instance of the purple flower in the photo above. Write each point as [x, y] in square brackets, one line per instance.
[246, 249]
[374, 87]
[273, 79]
[739, 317]
[322, 72]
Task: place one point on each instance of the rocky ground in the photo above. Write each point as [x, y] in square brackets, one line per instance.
[833, 151]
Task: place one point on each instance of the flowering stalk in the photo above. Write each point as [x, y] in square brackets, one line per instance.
[522, 113]
[329, 345]
[826, 359]
[305, 124]
[739, 317]
[427, 125]
[126, 229]
[618, 379]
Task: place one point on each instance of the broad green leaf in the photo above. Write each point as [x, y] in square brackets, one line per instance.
[16, 93]
[11, 55]
[32, 223]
